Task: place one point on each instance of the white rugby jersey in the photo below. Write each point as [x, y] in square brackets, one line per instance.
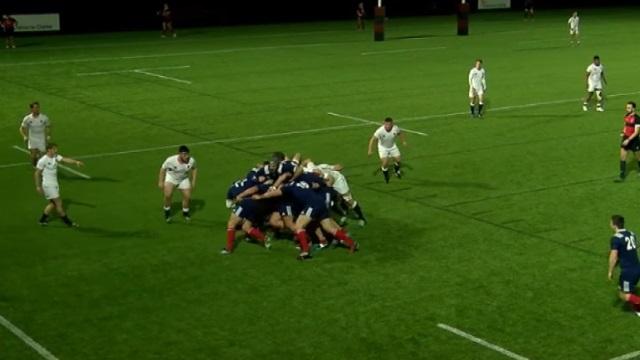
[386, 139]
[49, 167]
[574, 22]
[595, 73]
[36, 125]
[176, 169]
[477, 78]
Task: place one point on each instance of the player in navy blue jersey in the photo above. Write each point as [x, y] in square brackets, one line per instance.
[624, 252]
[284, 168]
[249, 185]
[314, 207]
[250, 213]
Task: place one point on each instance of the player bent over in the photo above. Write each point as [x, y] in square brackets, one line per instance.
[624, 251]
[595, 79]
[630, 139]
[387, 148]
[178, 171]
[46, 178]
[249, 213]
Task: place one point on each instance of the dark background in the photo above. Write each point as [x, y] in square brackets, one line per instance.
[91, 15]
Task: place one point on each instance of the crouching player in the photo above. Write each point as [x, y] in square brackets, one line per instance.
[624, 251]
[249, 185]
[339, 183]
[249, 214]
[314, 208]
[178, 171]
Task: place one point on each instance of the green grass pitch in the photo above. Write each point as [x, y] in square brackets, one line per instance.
[499, 227]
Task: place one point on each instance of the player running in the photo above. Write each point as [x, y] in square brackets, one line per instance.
[624, 252]
[36, 132]
[385, 136]
[477, 88]
[178, 171]
[574, 29]
[46, 178]
[630, 139]
[595, 79]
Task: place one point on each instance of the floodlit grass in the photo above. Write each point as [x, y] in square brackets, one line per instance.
[499, 227]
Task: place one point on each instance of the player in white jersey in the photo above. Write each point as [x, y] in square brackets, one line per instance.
[574, 29]
[385, 136]
[46, 178]
[340, 185]
[595, 80]
[178, 171]
[477, 88]
[36, 132]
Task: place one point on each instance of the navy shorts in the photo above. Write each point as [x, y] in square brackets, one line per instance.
[629, 280]
[252, 210]
[288, 209]
[317, 210]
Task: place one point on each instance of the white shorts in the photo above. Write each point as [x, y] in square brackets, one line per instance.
[475, 91]
[341, 186]
[384, 152]
[51, 191]
[594, 86]
[39, 144]
[574, 32]
[184, 184]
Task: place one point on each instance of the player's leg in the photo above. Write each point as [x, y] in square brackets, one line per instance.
[330, 226]
[301, 234]
[472, 102]
[170, 29]
[33, 155]
[384, 166]
[627, 284]
[60, 210]
[599, 99]
[44, 218]
[587, 99]
[623, 163]
[395, 155]
[232, 223]
[166, 200]
[275, 221]
[355, 206]
[480, 104]
[255, 233]
[185, 188]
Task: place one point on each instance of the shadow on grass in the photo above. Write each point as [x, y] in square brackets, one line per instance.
[114, 233]
[196, 206]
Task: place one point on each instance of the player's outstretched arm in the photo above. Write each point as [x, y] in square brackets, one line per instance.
[250, 191]
[267, 195]
[72, 161]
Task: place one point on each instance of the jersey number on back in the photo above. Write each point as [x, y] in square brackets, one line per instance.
[631, 242]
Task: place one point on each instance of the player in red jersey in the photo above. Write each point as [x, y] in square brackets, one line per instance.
[9, 26]
[630, 140]
[167, 21]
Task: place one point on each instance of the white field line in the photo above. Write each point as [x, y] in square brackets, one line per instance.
[163, 55]
[631, 355]
[401, 50]
[308, 131]
[365, 121]
[512, 107]
[162, 76]
[27, 340]
[482, 342]
[132, 70]
[75, 172]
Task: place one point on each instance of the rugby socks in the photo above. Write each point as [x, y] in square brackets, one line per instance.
[480, 107]
[385, 172]
[396, 168]
[472, 108]
[256, 234]
[231, 237]
[623, 168]
[634, 299]
[345, 239]
[303, 238]
[167, 211]
[67, 221]
[44, 218]
[358, 211]
[185, 212]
